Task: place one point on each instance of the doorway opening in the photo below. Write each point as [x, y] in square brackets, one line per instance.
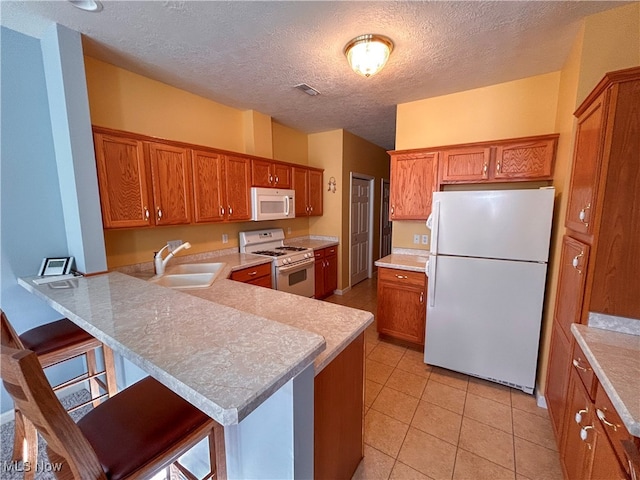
[361, 230]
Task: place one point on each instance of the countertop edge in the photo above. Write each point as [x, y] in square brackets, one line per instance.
[342, 346]
[632, 424]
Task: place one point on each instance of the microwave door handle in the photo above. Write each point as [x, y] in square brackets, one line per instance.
[286, 206]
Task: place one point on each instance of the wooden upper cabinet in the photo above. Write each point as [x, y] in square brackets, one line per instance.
[270, 174]
[470, 164]
[529, 160]
[208, 186]
[586, 166]
[238, 187]
[307, 183]
[412, 184]
[122, 179]
[171, 180]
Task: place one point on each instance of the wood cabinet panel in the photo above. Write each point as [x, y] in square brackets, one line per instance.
[171, 180]
[574, 260]
[586, 166]
[412, 185]
[208, 186]
[315, 192]
[532, 160]
[307, 183]
[282, 175]
[301, 186]
[401, 309]
[325, 271]
[249, 274]
[582, 368]
[558, 371]
[612, 425]
[339, 414]
[469, 164]
[238, 187]
[270, 174]
[574, 450]
[122, 179]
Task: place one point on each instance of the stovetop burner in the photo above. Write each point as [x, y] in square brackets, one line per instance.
[271, 253]
[292, 249]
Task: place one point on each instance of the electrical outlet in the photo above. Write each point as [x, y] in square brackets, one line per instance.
[416, 238]
[425, 239]
[173, 244]
[225, 238]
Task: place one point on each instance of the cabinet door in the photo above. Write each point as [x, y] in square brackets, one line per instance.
[237, 187]
[412, 185]
[261, 175]
[122, 179]
[208, 186]
[401, 307]
[331, 270]
[586, 166]
[558, 379]
[604, 464]
[171, 179]
[301, 187]
[571, 284]
[281, 175]
[319, 275]
[575, 452]
[315, 193]
[525, 161]
[464, 165]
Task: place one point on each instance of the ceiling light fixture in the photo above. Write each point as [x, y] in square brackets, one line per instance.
[367, 54]
[87, 5]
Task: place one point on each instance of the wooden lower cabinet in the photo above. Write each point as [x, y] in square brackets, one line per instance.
[401, 304]
[259, 275]
[326, 271]
[558, 378]
[339, 414]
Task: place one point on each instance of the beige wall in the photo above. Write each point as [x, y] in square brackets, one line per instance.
[290, 145]
[364, 158]
[123, 100]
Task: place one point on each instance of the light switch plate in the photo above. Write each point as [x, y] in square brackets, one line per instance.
[425, 239]
[225, 238]
[416, 238]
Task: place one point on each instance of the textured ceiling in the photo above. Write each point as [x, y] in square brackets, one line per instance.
[250, 55]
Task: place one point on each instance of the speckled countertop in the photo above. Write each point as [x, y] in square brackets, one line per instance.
[615, 359]
[405, 259]
[249, 340]
[315, 242]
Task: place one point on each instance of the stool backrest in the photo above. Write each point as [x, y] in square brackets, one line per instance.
[8, 336]
[25, 381]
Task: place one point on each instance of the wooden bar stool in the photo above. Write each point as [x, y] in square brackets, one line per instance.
[140, 431]
[54, 343]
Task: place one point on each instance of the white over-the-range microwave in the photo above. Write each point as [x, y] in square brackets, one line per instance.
[272, 204]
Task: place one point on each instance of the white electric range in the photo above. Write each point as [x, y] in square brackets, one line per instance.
[292, 267]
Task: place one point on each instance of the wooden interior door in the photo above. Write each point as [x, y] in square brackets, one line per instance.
[385, 223]
[208, 186]
[122, 179]
[360, 229]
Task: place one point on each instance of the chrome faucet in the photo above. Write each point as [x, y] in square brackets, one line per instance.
[160, 264]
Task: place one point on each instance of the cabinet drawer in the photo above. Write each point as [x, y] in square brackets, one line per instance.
[330, 251]
[612, 424]
[318, 254]
[262, 281]
[251, 273]
[584, 371]
[402, 276]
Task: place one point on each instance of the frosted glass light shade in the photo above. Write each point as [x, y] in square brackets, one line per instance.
[368, 54]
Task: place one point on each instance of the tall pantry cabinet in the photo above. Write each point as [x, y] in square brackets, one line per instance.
[599, 261]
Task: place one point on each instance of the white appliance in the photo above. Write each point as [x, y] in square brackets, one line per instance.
[487, 273]
[272, 203]
[293, 268]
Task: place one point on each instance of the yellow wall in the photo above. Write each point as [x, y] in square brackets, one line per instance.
[257, 134]
[364, 158]
[290, 145]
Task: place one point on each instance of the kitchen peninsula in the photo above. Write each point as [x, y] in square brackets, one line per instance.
[247, 356]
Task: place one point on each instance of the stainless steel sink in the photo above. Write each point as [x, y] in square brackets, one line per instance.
[189, 275]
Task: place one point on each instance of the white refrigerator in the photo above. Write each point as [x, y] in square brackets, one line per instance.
[486, 281]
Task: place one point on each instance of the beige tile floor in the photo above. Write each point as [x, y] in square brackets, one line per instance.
[425, 422]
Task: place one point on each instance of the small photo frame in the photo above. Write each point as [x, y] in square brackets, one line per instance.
[55, 266]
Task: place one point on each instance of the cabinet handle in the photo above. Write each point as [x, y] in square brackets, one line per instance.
[576, 363]
[277, 179]
[583, 214]
[584, 434]
[222, 211]
[230, 210]
[485, 167]
[579, 413]
[159, 213]
[401, 277]
[576, 262]
[498, 167]
[310, 208]
[393, 209]
[251, 274]
[421, 298]
[270, 178]
[307, 208]
[604, 420]
[146, 213]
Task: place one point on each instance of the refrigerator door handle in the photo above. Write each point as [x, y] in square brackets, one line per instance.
[431, 283]
[435, 219]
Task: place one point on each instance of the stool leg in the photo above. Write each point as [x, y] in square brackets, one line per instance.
[110, 369]
[18, 437]
[92, 369]
[30, 436]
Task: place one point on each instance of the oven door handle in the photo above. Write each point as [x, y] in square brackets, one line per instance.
[295, 267]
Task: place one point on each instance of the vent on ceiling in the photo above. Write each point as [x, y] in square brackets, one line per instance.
[307, 89]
